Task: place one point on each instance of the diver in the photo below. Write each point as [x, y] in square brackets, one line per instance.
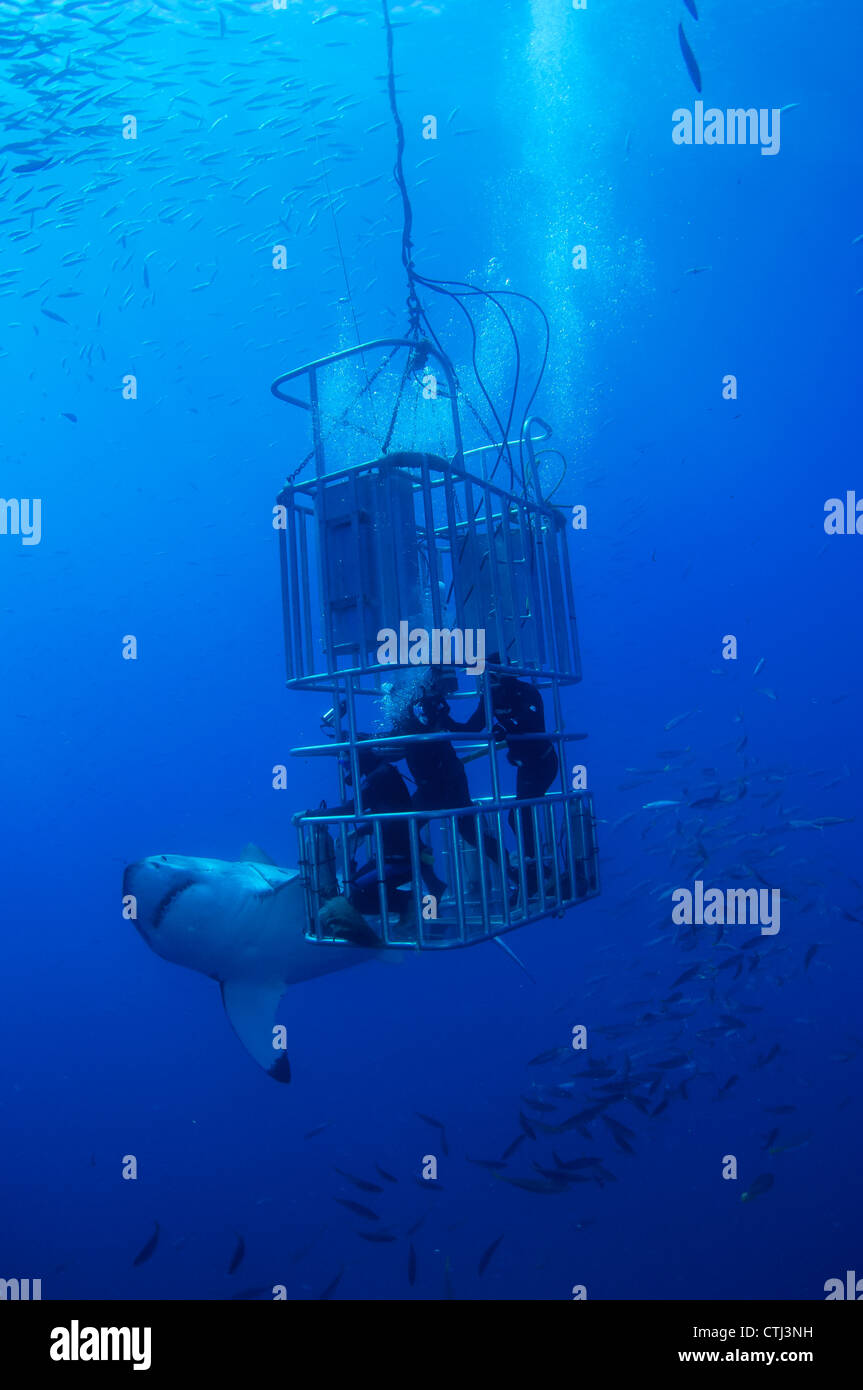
[517, 709]
[382, 789]
[438, 771]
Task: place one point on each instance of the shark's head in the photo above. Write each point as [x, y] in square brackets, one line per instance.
[156, 885]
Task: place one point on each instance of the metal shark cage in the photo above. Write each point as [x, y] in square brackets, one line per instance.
[406, 540]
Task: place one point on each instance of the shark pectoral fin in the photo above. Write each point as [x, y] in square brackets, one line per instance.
[251, 1008]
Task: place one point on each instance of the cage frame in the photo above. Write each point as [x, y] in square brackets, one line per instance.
[547, 529]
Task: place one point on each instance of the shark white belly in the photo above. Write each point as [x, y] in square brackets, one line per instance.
[243, 925]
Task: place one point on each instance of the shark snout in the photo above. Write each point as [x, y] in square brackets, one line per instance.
[159, 864]
[150, 882]
[130, 875]
[138, 876]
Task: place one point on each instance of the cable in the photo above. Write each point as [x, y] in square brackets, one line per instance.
[413, 304]
[548, 495]
[417, 315]
[439, 286]
[457, 300]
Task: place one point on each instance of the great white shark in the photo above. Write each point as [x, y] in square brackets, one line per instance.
[243, 925]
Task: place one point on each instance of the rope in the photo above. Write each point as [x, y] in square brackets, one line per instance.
[413, 305]
[418, 318]
[548, 495]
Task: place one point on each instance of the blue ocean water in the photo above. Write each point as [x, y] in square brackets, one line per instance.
[152, 257]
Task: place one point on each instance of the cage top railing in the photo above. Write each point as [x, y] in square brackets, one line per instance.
[310, 370]
[450, 470]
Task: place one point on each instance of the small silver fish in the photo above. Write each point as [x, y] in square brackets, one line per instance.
[678, 719]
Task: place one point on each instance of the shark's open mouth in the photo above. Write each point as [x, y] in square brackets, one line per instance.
[165, 903]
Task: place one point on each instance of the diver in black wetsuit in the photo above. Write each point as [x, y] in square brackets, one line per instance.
[382, 788]
[439, 773]
[517, 709]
